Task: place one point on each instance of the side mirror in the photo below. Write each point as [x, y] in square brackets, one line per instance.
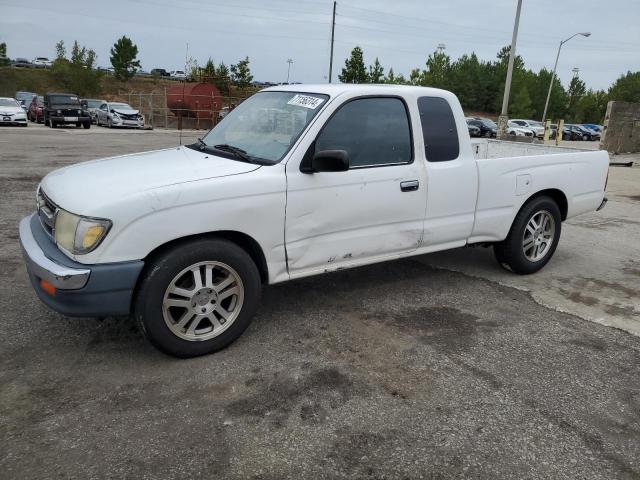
[330, 161]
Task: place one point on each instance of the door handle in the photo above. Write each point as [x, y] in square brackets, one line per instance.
[409, 186]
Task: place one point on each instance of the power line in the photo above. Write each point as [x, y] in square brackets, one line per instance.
[430, 23]
[169, 26]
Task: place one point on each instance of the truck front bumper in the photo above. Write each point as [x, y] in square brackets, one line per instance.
[72, 288]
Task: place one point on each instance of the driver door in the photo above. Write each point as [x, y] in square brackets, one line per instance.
[374, 210]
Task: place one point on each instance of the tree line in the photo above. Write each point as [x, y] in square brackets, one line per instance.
[76, 70]
[479, 85]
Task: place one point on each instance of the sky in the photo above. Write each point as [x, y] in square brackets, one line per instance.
[401, 33]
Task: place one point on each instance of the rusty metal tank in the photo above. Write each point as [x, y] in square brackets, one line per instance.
[195, 100]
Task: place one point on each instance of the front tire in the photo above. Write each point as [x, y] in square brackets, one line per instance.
[198, 297]
[533, 237]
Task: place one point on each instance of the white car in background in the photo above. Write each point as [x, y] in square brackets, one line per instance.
[42, 62]
[536, 127]
[515, 129]
[178, 75]
[117, 114]
[11, 112]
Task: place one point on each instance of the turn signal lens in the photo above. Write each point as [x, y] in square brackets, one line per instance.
[92, 235]
[47, 287]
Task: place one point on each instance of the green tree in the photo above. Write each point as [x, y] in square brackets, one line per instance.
[4, 60]
[241, 73]
[192, 69]
[61, 50]
[591, 107]
[558, 100]
[521, 106]
[77, 74]
[416, 77]
[576, 90]
[123, 58]
[438, 70]
[223, 79]
[626, 88]
[209, 69]
[391, 77]
[354, 70]
[376, 72]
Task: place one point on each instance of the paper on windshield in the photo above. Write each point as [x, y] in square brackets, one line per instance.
[306, 101]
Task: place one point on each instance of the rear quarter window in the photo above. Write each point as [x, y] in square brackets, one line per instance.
[438, 129]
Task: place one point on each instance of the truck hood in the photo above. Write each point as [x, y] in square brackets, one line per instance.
[86, 187]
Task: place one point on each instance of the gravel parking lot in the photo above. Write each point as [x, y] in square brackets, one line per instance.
[433, 367]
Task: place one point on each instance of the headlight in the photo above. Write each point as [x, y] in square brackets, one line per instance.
[79, 235]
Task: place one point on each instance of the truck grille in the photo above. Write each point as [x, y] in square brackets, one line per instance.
[47, 211]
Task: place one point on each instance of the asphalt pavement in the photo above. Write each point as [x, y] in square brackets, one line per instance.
[440, 366]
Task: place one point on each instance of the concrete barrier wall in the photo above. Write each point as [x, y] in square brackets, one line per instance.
[621, 128]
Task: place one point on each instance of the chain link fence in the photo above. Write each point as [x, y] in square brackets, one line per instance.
[200, 112]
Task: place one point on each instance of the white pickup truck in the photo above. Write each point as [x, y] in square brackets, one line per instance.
[296, 181]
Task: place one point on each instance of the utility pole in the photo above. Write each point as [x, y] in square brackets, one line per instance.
[289, 61]
[504, 117]
[333, 31]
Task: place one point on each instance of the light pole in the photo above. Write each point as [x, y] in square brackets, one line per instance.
[553, 75]
[503, 118]
[289, 61]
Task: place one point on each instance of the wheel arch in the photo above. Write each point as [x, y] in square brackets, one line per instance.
[244, 241]
[557, 196]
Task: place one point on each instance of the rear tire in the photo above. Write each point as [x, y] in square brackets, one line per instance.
[533, 237]
[180, 314]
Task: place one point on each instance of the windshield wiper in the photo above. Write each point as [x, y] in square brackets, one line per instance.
[202, 144]
[238, 152]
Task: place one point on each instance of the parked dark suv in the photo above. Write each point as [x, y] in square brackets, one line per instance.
[64, 108]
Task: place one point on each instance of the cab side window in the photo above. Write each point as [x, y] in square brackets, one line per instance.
[373, 131]
[438, 129]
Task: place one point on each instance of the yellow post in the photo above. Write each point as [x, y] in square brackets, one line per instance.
[547, 129]
[559, 131]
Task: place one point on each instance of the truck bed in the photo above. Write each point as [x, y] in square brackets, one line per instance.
[489, 148]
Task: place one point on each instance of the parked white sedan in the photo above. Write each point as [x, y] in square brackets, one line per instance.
[116, 114]
[536, 127]
[516, 130]
[11, 112]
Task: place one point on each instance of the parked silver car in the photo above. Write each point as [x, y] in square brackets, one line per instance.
[92, 105]
[117, 114]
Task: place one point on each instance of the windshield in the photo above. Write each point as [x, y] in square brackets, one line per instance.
[489, 123]
[63, 100]
[8, 102]
[94, 103]
[267, 124]
[121, 106]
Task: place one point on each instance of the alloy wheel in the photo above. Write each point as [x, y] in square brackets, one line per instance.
[203, 300]
[539, 235]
